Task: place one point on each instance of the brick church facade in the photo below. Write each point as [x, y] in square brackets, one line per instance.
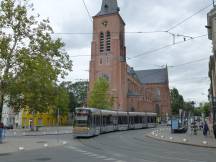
[143, 91]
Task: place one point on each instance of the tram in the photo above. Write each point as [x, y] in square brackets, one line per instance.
[92, 122]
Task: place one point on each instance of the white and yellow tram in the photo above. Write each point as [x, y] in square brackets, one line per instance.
[92, 122]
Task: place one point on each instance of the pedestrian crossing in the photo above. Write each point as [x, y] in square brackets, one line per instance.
[93, 155]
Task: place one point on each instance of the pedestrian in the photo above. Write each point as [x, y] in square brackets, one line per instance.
[205, 129]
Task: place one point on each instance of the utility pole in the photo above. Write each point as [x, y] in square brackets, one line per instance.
[213, 3]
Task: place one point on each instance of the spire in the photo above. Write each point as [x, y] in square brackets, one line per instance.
[108, 7]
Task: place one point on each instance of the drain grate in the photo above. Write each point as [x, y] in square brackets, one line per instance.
[41, 142]
[43, 159]
[5, 154]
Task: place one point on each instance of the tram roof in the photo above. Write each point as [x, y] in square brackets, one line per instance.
[151, 114]
[137, 113]
[87, 108]
[108, 112]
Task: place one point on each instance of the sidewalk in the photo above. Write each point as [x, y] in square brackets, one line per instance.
[199, 140]
[40, 132]
[27, 143]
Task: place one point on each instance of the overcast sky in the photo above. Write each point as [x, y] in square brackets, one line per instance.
[68, 16]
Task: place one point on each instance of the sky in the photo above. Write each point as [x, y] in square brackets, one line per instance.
[191, 79]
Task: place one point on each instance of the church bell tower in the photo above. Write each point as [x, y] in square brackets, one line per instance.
[108, 52]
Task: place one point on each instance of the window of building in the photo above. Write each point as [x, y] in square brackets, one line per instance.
[157, 94]
[105, 77]
[108, 41]
[101, 42]
[101, 60]
[157, 108]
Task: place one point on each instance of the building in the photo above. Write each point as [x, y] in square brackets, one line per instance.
[211, 26]
[25, 119]
[41, 119]
[146, 90]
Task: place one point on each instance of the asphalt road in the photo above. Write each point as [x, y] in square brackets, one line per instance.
[127, 146]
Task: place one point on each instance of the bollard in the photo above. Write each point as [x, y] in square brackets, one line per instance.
[45, 145]
[171, 138]
[162, 136]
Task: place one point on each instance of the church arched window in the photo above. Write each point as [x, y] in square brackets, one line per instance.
[108, 41]
[101, 42]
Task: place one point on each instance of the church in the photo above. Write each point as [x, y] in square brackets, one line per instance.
[141, 91]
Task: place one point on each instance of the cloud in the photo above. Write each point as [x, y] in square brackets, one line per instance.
[70, 16]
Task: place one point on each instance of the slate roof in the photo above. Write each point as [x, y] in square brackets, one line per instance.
[108, 7]
[153, 76]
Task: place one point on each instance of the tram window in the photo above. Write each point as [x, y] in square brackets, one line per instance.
[120, 120]
[97, 120]
[105, 120]
[125, 120]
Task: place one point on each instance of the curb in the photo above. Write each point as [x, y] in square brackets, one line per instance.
[49, 134]
[29, 135]
[176, 142]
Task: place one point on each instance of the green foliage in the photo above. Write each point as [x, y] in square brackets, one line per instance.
[61, 101]
[197, 112]
[188, 107]
[177, 101]
[99, 97]
[77, 93]
[205, 108]
[30, 59]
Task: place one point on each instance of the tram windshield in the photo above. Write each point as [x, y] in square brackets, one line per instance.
[82, 118]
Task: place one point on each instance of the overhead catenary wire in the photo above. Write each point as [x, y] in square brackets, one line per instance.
[86, 8]
[186, 63]
[181, 22]
[154, 50]
[135, 32]
[164, 47]
[93, 33]
[190, 62]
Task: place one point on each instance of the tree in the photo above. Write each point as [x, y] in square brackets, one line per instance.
[99, 96]
[61, 101]
[205, 108]
[77, 93]
[177, 101]
[188, 107]
[30, 59]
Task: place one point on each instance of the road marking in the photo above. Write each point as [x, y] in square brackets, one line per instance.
[94, 155]
[110, 159]
[101, 157]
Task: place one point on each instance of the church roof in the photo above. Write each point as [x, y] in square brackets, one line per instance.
[108, 7]
[155, 76]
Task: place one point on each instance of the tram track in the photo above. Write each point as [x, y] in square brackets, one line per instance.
[129, 143]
